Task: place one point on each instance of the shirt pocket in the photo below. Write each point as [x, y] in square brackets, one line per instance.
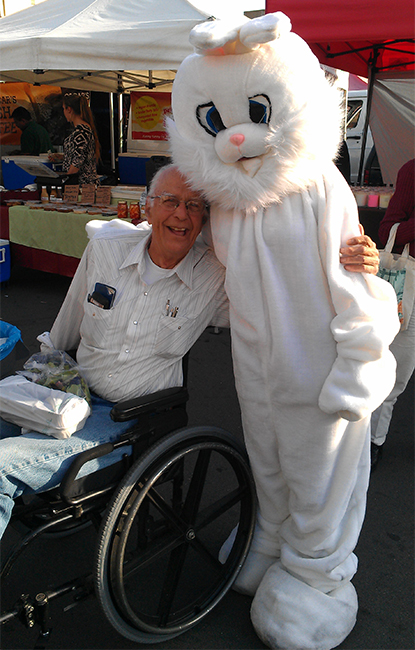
[174, 336]
[97, 325]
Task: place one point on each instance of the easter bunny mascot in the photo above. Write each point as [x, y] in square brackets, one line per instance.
[256, 127]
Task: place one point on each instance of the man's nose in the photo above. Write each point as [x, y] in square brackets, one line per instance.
[181, 211]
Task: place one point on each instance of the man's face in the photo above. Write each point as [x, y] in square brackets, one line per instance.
[174, 229]
[21, 124]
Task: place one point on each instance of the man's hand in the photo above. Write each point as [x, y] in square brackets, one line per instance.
[360, 255]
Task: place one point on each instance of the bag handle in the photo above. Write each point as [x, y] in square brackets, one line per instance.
[392, 236]
[391, 241]
[405, 252]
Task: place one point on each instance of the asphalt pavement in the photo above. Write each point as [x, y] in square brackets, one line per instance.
[385, 578]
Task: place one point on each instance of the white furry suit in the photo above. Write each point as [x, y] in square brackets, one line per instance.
[310, 340]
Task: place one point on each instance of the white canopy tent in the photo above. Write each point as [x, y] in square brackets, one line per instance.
[102, 45]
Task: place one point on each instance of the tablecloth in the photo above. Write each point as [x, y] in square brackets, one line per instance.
[58, 232]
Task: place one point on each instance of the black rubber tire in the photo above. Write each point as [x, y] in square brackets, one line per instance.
[166, 520]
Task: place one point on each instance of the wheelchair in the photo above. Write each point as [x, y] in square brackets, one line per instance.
[161, 516]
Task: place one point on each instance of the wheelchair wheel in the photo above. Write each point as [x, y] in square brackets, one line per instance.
[157, 570]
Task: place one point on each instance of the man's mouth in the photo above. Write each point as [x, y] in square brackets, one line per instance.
[179, 232]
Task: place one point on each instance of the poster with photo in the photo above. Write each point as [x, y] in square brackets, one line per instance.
[42, 102]
[148, 112]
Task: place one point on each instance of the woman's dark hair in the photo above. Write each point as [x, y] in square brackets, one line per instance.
[80, 106]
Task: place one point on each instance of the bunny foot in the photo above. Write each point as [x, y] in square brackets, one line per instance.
[288, 613]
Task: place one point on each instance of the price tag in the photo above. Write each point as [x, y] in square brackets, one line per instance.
[103, 195]
[88, 193]
[70, 194]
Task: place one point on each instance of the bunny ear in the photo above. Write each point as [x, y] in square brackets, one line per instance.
[264, 29]
[219, 37]
[213, 35]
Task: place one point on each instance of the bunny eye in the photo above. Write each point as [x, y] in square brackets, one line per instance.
[260, 109]
[209, 117]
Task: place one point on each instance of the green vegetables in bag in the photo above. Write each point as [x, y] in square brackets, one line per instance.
[56, 369]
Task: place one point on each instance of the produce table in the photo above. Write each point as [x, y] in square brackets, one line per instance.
[48, 240]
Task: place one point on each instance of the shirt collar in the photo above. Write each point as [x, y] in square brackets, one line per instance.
[184, 270]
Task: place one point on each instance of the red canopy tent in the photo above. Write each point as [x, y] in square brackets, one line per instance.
[363, 37]
[354, 35]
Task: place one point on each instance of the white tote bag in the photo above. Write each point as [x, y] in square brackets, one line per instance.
[38, 408]
[399, 270]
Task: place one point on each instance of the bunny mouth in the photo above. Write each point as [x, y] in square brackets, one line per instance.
[251, 166]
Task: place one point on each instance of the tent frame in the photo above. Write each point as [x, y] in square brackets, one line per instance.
[373, 70]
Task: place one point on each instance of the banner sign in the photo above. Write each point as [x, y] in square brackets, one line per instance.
[40, 101]
[148, 111]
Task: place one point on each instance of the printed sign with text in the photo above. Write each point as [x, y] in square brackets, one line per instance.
[148, 112]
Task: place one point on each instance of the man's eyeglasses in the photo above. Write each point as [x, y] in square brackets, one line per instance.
[171, 203]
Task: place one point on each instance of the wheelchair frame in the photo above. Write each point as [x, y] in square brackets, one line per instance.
[158, 519]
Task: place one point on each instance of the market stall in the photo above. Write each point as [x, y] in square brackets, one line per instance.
[94, 45]
[101, 45]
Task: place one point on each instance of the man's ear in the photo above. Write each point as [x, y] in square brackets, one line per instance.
[147, 210]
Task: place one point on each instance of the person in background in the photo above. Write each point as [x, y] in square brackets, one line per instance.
[81, 150]
[400, 209]
[34, 139]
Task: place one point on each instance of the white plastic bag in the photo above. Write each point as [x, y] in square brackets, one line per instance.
[38, 408]
[57, 370]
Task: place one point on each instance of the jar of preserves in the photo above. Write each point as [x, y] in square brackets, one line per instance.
[122, 210]
[134, 211]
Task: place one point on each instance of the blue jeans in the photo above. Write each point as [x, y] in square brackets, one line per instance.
[35, 462]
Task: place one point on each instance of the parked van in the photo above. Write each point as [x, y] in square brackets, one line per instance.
[356, 116]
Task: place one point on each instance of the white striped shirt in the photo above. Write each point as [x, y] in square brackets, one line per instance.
[136, 347]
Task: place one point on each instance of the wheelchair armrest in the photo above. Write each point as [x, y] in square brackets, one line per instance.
[77, 463]
[162, 400]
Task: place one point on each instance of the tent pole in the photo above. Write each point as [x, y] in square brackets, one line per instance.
[112, 134]
[120, 123]
[372, 75]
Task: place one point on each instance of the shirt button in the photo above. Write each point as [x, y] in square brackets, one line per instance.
[127, 350]
[110, 375]
[135, 322]
[146, 293]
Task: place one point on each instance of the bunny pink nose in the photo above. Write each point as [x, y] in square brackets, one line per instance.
[237, 139]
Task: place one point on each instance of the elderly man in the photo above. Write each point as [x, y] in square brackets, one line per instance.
[168, 289]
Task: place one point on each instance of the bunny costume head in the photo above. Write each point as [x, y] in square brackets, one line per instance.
[246, 107]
